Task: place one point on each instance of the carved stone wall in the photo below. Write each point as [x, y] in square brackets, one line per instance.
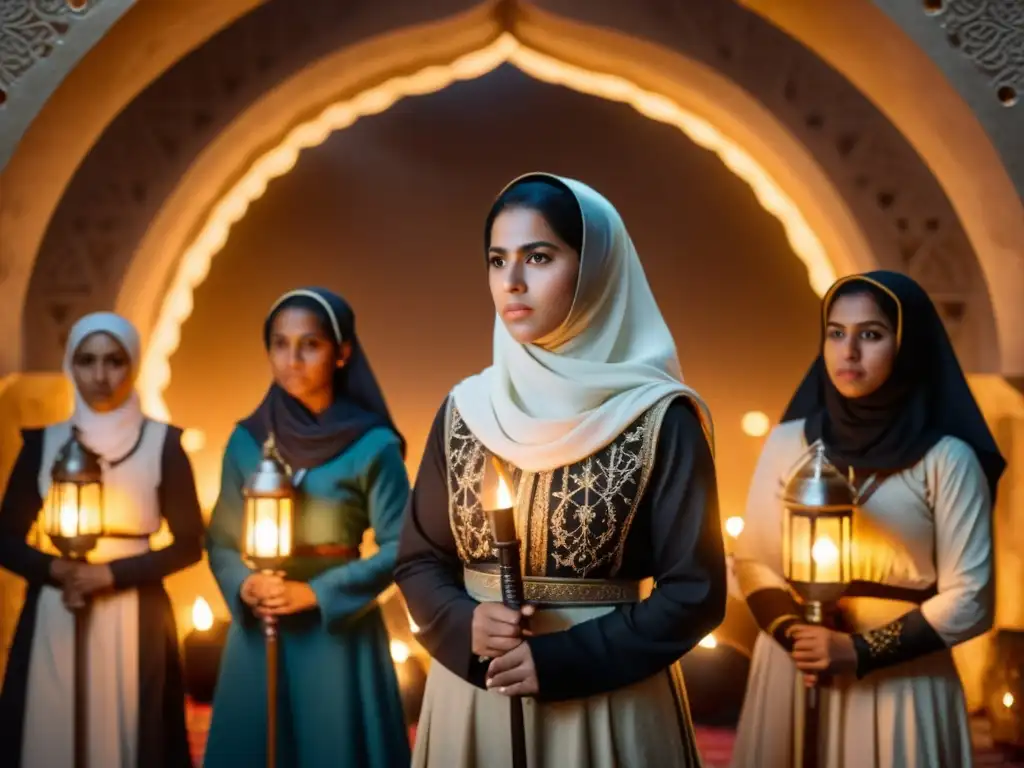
[136, 164]
[990, 33]
[907, 215]
[147, 148]
[40, 41]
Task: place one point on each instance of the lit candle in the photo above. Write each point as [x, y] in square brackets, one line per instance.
[266, 538]
[202, 616]
[826, 559]
[504, 496]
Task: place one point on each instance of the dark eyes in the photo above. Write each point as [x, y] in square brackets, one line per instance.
[835, 333]
[85, 361]
[536, 257]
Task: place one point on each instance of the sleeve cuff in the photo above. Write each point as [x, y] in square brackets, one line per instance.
[905, 639]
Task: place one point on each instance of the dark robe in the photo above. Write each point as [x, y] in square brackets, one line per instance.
[162, 738]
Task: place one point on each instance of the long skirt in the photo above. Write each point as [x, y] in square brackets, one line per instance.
[644, 725]
[136, 696]
[909, 716]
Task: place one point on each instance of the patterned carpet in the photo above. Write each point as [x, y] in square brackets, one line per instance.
[715, 743]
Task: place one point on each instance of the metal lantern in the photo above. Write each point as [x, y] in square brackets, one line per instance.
[817, 529]
[73, 519]
[269, 512]
[266, 544]
[73, 514]
[817, 542]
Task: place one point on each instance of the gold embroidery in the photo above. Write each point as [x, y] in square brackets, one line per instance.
[538, 549]
[468, 521]
[884, 641]
[652, 428]
[483, 582]
[573, 519]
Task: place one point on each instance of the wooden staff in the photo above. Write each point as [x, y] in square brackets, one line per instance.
[503, 530]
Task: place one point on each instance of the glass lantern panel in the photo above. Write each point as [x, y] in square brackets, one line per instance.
[269, 527]
[801, 530]
[74, 510]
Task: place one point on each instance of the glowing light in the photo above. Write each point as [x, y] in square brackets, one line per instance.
[399, 651]
[202, 616]
[504, 499]
[825, 552]
[755, 423]
[155, 372]
[708, 641]
[193, 440]
[734, 526]
[266, 538]
[1008, 700]
[413, 626]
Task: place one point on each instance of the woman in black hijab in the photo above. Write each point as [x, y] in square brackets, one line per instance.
[888, 401]
[325, 416]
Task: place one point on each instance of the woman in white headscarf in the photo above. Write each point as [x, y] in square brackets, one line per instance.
[611, 457]
[135, 687]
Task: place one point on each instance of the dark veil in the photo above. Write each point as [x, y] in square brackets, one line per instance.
[306, 440]
[925, 398]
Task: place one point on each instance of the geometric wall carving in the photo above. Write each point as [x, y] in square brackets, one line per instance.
[110, 201]
[990, 34]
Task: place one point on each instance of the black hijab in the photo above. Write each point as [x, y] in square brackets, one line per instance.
[306, 440]
[924, 399]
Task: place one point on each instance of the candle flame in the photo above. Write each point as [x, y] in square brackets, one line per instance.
[825, 552]
[399, 651]
[68, 520]
[202, 616]
[1008, 700]
[734, 526]
[504, 494]
[266, 538]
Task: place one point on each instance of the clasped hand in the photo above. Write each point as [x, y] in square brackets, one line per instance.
[498, 637]
[79, 581]
[818, 650]
[270, 594]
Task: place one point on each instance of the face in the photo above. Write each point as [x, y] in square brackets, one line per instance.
[860, 345]
[303, 357]
[532, 274]
[102, 371]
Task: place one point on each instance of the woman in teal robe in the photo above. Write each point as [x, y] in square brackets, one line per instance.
[338, 696]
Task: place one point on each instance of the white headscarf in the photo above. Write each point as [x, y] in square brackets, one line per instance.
[611, 360]
[113, 434]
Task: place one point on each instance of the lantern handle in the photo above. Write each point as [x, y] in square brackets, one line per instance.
[817, 447]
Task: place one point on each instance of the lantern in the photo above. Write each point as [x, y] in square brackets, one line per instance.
[817, 530]
[73, 513]
[73, 519]
[266, 544]
[269, 511]
[498, 505]
[817, 542]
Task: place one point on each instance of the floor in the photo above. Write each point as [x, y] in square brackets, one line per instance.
[715, 743]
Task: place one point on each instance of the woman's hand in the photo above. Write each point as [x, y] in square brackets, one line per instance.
[497, 629]
[513, 673]
[81, 580]
[294, 597]
[818, 650]
[261, 586]
[61, 569]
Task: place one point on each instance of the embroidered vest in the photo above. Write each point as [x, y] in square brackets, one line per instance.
[573, 521]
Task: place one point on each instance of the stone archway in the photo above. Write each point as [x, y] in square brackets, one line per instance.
[868, 197]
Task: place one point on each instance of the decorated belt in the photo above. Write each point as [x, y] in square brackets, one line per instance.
[482, 581]
[878, 591]
[333, 551]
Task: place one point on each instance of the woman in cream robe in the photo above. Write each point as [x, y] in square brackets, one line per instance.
[925, 466]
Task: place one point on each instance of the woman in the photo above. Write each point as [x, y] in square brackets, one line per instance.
[888, 400]
[324, 414]
[136, 696]
[615, 483]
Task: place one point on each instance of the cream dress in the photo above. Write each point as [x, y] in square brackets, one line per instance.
[926, 527]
